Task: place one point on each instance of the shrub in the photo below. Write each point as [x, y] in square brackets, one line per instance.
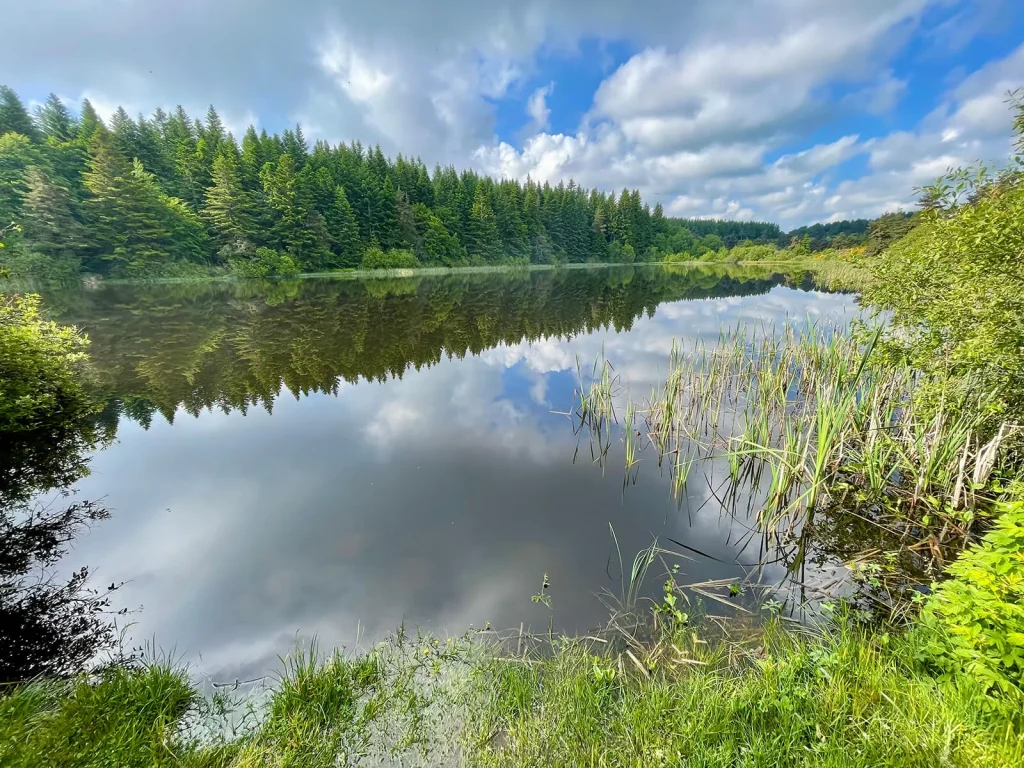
[23, 264]
[39, 367]
[744, 253]
[974, 622]
[395, 258]
[678, 258]
[264, 262]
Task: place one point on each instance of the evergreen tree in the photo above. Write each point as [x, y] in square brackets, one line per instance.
[14, 118]
[133, 222]
[252, 159]
[56, 121]
[49, 225]
[439, 245]
[298, 228]
[408, 235]
[88, 123]
[484, 244]
[228, 206]
[343, 231]
[181, 146]
[17, 155]
[385, 218]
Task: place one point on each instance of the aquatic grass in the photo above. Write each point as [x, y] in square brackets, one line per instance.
[808, 418]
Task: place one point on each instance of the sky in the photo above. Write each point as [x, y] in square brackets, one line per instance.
[794, 111]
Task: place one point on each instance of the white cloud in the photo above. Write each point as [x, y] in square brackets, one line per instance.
[537, 108]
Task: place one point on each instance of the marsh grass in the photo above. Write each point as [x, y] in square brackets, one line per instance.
[805, 420]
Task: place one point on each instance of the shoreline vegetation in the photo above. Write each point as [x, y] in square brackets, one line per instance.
[911, 428]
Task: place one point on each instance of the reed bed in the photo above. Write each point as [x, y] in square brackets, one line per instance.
[806, 419]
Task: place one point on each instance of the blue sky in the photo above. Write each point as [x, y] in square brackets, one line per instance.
[788, 110]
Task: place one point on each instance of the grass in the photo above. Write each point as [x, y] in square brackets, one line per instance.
[775, 699]
[745, 697]
[806, 421]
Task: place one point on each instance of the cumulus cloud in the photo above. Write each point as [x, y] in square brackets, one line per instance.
[538, 109]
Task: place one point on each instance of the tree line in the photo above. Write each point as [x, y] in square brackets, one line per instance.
[174, 195]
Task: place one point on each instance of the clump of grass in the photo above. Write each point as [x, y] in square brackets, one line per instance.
[773, 698]
[123, 716]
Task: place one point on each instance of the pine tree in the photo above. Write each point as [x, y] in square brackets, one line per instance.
[17, 155]
[13, 115]
[228, 207]
[56, 121]
[344, 233]
[128, 214]
[88, 123]
[49, 225]
[484, 243]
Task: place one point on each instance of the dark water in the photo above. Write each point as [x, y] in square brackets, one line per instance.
[328, 457]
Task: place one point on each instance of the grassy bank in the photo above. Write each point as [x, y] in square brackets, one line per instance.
[835, 697]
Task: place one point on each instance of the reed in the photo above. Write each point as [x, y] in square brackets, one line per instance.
[809, 418]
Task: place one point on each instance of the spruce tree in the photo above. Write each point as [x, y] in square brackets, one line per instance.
[342, 228]
[14, 118]
[228, 207]
[56, 121]
[127, 210]
[88, 123]
[49, 226]
[17, 155]
[484, 244]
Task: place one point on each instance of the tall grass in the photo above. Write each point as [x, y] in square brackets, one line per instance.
[773, 698]
[812, 419]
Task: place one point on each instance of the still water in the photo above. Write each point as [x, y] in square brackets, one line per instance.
[330, 458]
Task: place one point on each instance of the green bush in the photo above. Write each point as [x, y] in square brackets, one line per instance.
[954, 284]
[264, 262]
[40, 365]
[678, 258]
[974, 622]
[22, 264]
[745, 253]
[395, 258]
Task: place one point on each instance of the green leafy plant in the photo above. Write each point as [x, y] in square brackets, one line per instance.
[974, 622]
[375, 258]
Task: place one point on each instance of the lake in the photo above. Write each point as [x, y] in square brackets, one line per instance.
[330, 458]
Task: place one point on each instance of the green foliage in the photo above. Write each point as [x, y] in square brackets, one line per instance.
[841, 699]
[395, 258]
[744, 253]
[955, 283]
[40, 368]
[23, 264]
[887, 229]
[974, 621]
[261, 262]
[126, 717]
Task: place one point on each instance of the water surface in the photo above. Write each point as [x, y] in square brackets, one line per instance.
[332, 458]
